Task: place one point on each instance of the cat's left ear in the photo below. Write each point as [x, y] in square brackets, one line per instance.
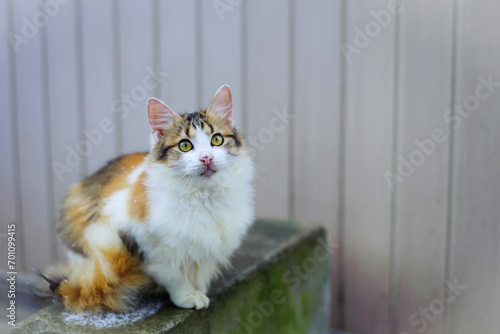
[159, 115]
[222, 104]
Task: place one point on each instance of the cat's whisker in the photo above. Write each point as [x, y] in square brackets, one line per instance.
[262, 169]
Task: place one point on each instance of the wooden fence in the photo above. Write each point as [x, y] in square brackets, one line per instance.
[393, 143]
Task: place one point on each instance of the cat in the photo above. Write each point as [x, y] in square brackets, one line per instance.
[169, 218]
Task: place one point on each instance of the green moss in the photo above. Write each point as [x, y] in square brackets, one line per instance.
[265, 295]
[253, 305]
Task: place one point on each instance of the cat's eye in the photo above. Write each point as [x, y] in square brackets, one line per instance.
[185, 145]
[217, 140]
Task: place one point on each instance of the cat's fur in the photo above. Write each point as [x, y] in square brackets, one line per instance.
[158, 219]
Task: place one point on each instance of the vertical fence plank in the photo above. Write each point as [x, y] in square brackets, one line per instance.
[316, 137]
[99, 95]
[475, 246]
[63, 103]
[221, 54]
[8, 187]
[369, 109]
[137, 65]
[30, 101]
[178, 54]
[424, 96]
[267, 96]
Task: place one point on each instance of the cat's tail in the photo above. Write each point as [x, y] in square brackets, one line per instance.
[109, 278]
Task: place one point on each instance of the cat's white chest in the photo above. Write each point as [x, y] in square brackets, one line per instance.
[204, 224]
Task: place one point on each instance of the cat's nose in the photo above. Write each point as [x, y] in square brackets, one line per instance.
[207, 159]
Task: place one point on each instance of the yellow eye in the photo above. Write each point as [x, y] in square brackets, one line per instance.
[185, 145]
[217, 140]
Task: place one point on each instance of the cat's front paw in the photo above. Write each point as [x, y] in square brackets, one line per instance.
[196, 299]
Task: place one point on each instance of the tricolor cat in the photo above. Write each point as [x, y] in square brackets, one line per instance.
[168, 218]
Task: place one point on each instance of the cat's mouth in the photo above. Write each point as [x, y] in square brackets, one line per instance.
[209, 171]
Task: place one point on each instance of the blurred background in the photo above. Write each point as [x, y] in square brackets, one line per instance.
[377, 119]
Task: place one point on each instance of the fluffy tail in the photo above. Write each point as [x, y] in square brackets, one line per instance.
[110, 278]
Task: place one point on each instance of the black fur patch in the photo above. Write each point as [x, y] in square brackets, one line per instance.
[196, 118]
[211, 127]
[164, 152]
[131, 245]
[54, 283]
[237, 141]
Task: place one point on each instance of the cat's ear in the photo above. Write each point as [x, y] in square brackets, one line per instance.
[222, 104]
[159, 115]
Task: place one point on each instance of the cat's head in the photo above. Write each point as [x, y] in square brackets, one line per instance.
[200, 147]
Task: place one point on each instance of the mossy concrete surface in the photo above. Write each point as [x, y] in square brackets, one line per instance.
[278, 284]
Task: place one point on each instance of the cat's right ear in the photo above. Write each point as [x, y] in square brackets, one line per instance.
[159, 115]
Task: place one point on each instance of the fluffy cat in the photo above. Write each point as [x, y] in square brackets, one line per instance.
[169, 218]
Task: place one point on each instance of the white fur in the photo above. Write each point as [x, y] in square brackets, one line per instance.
[195, 222]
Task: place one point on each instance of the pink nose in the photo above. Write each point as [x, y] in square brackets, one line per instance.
[207, 159]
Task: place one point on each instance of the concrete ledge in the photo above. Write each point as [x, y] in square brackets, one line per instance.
[278, 284]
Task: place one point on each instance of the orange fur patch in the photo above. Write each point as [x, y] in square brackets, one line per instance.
[124, 167]
[138, 203]
[111, 280]
[84, 202]
[79, 209]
